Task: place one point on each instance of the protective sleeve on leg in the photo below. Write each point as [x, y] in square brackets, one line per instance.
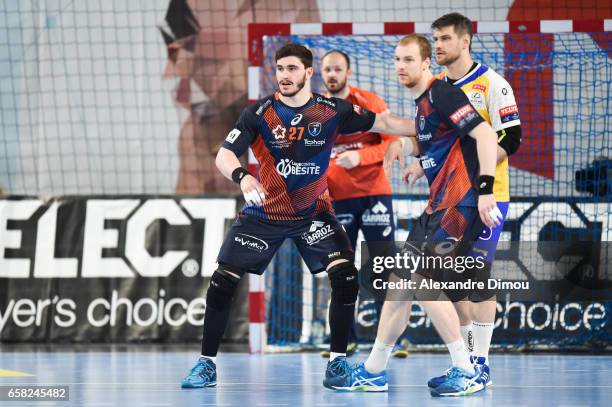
[221, 290]
[344, 283]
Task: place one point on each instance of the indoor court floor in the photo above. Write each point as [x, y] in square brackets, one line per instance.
[124, 377]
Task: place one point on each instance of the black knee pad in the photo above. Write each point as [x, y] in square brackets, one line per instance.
[344, 284]
[222, 288]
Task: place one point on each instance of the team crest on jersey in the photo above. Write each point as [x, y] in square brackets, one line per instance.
[422, 122]
[314, 129]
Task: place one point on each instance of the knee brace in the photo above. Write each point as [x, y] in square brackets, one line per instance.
[222, 288]
[344, 283]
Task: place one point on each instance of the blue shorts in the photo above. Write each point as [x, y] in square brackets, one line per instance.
[488, 239]
[252, 241]
[372, 214]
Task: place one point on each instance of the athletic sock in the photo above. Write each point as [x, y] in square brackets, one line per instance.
[459, 356]
[379, 357]
[341, 318]
[482, 331]
[334, 355]
[468, 338]
[215, 322]
[213, 358]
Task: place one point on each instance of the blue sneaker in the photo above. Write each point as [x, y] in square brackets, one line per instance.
[362, 380]
[337, 372]
[485, 371]
[438, 380]
[203, 374]
[458, 383]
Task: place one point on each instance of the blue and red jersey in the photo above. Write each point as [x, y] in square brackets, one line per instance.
[444, 117]
[293, 147]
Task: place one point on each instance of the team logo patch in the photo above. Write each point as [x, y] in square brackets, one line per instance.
[422, 122]
[357, 109]
[508, 114]
[314, 129]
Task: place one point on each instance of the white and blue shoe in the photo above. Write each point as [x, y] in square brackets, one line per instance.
[337, 372]
[478, 362]
[458, 382]
[361, 380]
[203, 374]
[481, 363]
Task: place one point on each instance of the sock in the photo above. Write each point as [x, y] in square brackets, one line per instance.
[482, 331]
[341, 317]
[379, 357]
[334, 355]
[213, 358]
[468, 337]
[459, 356]
[215, 321]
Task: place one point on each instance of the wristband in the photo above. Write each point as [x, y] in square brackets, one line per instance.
[238, 174]
[485, 184]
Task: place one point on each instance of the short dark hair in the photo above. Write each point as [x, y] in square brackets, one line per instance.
[337, 51]
[295, 50]
[460, 23]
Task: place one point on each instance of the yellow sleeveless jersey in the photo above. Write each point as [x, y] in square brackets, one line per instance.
[493, 98]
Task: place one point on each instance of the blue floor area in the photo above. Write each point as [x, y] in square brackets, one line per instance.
[152, 379]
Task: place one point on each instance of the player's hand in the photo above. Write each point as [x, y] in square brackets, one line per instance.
[489, 212]
[412, 173]
[348, 159]
[254, 193]
[394, 152]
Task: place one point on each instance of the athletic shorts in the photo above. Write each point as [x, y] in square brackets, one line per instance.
[252, 241]
[372, 214]
[486, 244]
[448, 233]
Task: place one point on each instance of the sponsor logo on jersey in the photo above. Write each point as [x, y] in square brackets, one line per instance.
[297, 119]
[345, 218]
[287, 167]
[428, 162]
[326, 101]
[461, 114]
[424, 137]
[341, 148]
[314, 143]
[251, 242]
[476, 99]
[318, 231]
[263, 107]
[314, 129]
[279, 132]
[232, 136]
[508, 114]
[379, 215]
[478, 86]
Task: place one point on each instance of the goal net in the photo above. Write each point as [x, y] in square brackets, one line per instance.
[560, 179]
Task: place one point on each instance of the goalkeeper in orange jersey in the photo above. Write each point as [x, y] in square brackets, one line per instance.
[360, 191]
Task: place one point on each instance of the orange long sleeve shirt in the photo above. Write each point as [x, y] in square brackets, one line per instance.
[368, 178]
